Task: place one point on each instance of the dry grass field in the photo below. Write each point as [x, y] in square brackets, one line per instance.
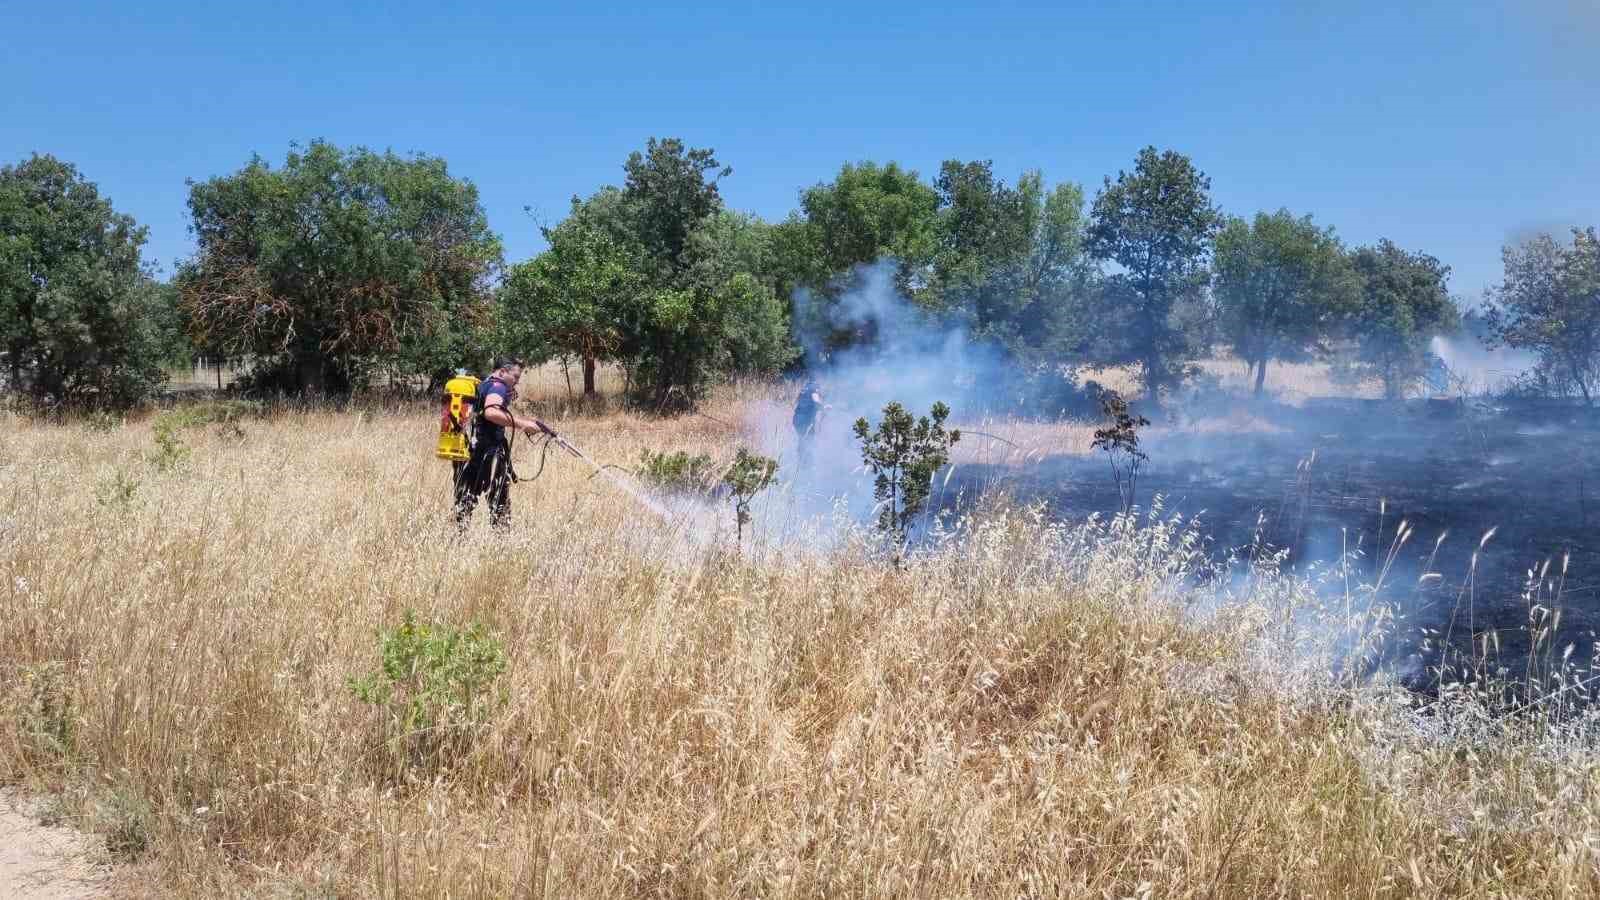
[1289, 383]
[1024, 709]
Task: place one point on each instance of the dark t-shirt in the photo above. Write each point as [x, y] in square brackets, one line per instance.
[805, 410]
[489, 434]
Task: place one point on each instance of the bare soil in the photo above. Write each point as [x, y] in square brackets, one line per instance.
[39, 862]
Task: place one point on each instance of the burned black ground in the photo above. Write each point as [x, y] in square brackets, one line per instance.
[1341, 476]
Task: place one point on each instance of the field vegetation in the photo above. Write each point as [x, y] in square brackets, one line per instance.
[241, 642]
[245, 648]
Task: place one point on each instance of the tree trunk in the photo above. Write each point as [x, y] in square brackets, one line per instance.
[1583, 383]
[1261, 375]
[1155, 376]
[308, 376]
[588, 376]
[1393, 382]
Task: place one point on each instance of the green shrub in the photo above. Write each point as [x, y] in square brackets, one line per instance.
[119, 491]
[124, 818]
[676, 471]
[433, 687]
[171, 452]
[748, 476]
[46, 720]
[103, 420]
[903, 454]
[210, 412]
[226, 415]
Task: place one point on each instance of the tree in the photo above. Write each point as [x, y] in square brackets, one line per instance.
[1157, 224]
[904, 454]
[1283, 286]
[691, 335]
[81, 319]
[708, 308]
[1119, 440]
[1404, 303]
[1549, 303]
[986, 230]
[340, 263]
[576, 298]
[750, 474]
[1010, 263]
[658, 276]
[868, 213]
[734, 262]
[670, 197]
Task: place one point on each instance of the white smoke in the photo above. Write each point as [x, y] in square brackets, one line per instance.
[1478, 369]
[909, 357]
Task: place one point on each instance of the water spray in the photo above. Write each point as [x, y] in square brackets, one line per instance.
[551, 437]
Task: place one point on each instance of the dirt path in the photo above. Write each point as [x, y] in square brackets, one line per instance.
[41, 863]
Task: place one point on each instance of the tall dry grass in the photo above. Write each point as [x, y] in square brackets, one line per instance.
[1028, 709]
[1291, 383]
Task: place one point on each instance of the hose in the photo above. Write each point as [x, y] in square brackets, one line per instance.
[988, 435]
[544, 453]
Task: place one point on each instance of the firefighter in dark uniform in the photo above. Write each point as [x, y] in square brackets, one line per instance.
[489, 468]
[808, 407]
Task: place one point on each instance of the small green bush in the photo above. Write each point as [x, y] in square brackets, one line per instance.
[433, 686]
[903, 454]
[47, 718]
[103, 420]
[226, 415]
[676, 471]
[124, 818]
[119, 491]
[749, 475]
[171, 452]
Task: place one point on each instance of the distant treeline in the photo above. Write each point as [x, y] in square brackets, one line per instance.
[342, 268]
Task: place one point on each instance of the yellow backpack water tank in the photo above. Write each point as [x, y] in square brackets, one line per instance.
[460, 393]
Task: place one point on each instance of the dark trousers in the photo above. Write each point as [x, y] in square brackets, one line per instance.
[488, 471]
[805, 431]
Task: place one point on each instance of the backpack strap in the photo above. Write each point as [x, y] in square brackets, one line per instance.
[483, 394]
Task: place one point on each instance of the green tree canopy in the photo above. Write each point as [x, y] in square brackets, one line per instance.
[81, 319]
[735, 257]
[714, 311]
[1283, 287]
[669, 196]
[1010, 263]
[658, 276]
[1404, 303]
[581, 297]
[869, 212]
[1549, 303]
[985, 229]
[1157, 224]
[339, 264]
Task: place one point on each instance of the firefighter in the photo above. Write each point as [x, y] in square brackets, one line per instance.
[808, 408]
[488, 469]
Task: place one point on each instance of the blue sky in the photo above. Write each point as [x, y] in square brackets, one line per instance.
[1447, 127]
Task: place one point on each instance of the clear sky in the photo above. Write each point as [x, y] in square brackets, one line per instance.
[1449, 127]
